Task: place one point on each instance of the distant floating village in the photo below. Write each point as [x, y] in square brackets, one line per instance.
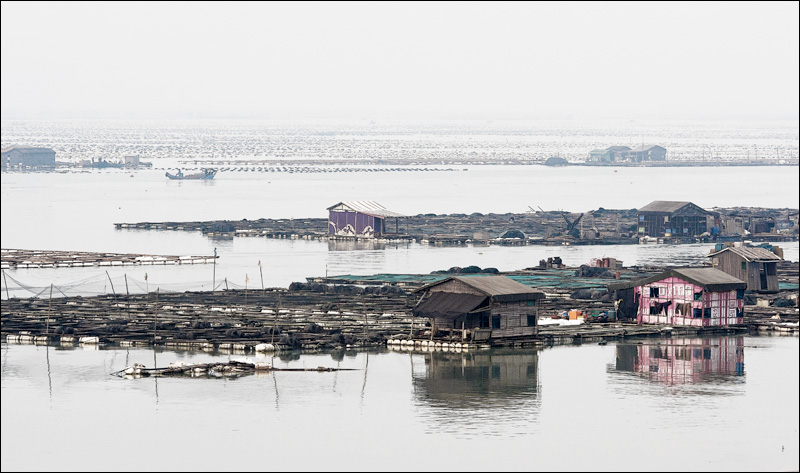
[30, 158]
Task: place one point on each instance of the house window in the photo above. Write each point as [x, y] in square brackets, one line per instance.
[531, 303]
[740, 293]
[653, 292]
[496, 321]
[697, 313]
[744, 266]
[531, 320]
[698, 296]
[707, 313]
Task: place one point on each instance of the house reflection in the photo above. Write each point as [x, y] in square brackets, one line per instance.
[475, 380]
[685, 360]
[356, 244]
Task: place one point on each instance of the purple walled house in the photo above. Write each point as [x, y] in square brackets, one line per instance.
[364, 218]
[685, 296]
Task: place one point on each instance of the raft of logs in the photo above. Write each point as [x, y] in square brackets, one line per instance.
[16, 258]
[210, 370]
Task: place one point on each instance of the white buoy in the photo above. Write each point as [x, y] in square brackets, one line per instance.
[89, 340]
[264, 347]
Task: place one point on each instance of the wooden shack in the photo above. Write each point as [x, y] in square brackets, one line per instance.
[28, 156]
[685, 296]
[480, 308]
[663, 218]
[646, 153]
[756, 266]
[359, 219]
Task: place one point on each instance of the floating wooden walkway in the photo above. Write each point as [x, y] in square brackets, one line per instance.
[13, 259]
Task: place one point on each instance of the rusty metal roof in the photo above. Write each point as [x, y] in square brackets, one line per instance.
[501, 288]
[750, 253]
[448, 305]
[365, 207]
[711, 279]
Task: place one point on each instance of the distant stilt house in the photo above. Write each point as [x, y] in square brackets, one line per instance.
[683, 296]
[28, 156]
[757, 266]
[480, 308]
[363, 219]
[663, 218]
[608, 155]
[645, 154]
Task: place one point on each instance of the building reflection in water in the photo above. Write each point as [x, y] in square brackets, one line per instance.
[477, 380]
[684, 360]
[353, 245]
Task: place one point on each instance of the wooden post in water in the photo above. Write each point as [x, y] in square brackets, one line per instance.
[49, 312]
[214, 276]
[6, 283]
[155, 321]
[127, 292]
[262, 275]
[112, 286]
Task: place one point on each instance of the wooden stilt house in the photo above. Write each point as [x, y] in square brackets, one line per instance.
[758, 267]
[480, 308]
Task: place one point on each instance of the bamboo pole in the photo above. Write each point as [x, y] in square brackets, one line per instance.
[112, 286]
[49, 312]
[155, 322]
[6, 283]
[260, 270]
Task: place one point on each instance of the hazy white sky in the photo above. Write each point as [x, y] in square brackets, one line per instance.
[495, 60]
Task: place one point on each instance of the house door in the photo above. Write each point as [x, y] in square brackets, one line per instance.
[762, 273]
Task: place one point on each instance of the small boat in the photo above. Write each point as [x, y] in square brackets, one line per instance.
[206, 173]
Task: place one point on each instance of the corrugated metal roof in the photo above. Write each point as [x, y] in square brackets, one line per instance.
[27, 149]
[448, 305]
[366, 207]
[664, 206]
[646, 147]
[711, 279]
[501, 288]
[750, 253]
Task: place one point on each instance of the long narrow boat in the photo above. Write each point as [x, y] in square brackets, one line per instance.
[206, 173]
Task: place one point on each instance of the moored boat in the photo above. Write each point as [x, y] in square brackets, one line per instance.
[207, 173]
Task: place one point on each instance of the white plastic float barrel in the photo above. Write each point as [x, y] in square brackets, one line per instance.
[264, 347]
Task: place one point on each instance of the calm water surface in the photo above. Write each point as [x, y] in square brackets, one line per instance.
[627, 406]
[727, 403]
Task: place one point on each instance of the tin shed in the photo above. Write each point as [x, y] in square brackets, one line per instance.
[363, 218]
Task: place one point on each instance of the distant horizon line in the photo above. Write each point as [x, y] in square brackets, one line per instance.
[749, 118]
